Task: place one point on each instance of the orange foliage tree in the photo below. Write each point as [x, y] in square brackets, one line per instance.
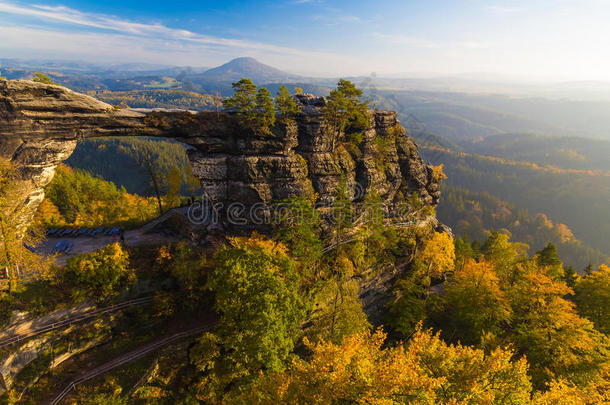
[425, 371]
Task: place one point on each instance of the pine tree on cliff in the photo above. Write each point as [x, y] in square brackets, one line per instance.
[345, 108]
[42, 78]
[285, 104]
[243, 101]
[254, 109]
[265, 117]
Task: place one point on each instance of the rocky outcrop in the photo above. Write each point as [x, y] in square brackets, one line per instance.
[40, 125]
[240, 170]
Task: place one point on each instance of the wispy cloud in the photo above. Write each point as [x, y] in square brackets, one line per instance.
[54, 26]
[116, 24]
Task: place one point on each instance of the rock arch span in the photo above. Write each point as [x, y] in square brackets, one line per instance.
[40, 125]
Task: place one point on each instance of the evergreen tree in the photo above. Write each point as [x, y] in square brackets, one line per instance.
[549, 259]
[570, 276]
[42, 78]
[265, 109]
[345, 108]
[285, 104]
[243, 102]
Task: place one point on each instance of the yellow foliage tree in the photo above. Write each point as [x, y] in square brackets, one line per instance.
[362, 371]
[546, 328]
[593, 297]
[476, 304]
[17, 260]
[438, 174]
[563, 392]
[439, 254]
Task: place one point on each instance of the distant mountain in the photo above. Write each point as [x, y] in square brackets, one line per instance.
[246, 67]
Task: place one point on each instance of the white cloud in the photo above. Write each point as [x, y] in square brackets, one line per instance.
[113, 38]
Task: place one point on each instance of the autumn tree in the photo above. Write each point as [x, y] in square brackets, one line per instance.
[75, 197]
[499, 250]
[337, 312]
[189, 269]
[16, 258]
[426, 370]
[476, 306]
[561, 391]
[593, 297]
[285, 104]
[546, 328]
[96, 274]
[438, 174]
[439, 254]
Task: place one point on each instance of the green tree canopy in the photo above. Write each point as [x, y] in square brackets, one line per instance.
[243, 101]
[345, 108]
[96, 274]
[43, 78]
[593, 297]
[285, 104]
[255, 109]
[265, 110]
[255, 285]
[549, 259]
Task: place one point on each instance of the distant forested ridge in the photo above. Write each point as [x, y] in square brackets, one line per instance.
[577, 198]
[182, 99]
[474, 214]
[116, 160]
[560, 151]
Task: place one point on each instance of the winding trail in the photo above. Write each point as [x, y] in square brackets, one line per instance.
[125, 359]
[19, 333]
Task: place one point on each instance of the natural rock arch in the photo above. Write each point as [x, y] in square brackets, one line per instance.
[40, 125]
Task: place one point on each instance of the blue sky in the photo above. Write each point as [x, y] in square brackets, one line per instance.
[544, 39]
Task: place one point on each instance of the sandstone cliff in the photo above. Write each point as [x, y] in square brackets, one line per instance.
[40, 125]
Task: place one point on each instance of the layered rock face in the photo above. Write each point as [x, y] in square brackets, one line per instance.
[40, 126]
[240, 170]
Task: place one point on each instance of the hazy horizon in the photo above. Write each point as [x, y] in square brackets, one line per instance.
[551, 40]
